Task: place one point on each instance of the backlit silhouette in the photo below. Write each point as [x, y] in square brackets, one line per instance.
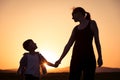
[83, 58]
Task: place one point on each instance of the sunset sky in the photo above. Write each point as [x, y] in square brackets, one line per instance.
[49, 23]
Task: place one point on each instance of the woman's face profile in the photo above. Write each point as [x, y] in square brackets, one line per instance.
[77, 16]
[74, 17]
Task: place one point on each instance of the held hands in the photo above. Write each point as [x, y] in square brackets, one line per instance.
[100, 61]
[57, 63]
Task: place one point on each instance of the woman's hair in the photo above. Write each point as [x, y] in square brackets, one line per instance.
[26, 44]
[82, 11]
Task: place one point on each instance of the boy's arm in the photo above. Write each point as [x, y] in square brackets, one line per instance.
[21, 70]
[50, 64]
[45, 61]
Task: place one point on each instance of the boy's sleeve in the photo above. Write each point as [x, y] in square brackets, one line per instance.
[43, 68]
[43, 60]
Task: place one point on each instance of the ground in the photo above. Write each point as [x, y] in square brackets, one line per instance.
[62, 76]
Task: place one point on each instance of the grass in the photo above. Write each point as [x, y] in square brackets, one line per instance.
[62, 76]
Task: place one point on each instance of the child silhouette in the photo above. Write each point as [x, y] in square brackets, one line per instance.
[31, 62]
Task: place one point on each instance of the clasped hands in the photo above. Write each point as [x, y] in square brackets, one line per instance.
[57, 63]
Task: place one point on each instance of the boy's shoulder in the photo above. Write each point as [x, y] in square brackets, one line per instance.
[38, 53]
[25, 54]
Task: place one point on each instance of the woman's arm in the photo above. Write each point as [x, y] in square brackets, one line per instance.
[67, 47]
[97, 42]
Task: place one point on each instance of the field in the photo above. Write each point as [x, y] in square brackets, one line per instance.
[62, 76]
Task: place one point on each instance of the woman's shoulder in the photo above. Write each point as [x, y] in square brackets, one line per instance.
[93, 25]
[75, 28]
[92, 22]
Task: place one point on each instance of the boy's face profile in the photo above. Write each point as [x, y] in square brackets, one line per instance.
[32, 45]
[29, 45]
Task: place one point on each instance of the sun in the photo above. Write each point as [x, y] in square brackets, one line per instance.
[50, 56]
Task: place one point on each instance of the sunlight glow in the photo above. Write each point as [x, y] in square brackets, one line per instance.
[50, 56]
[49, 23]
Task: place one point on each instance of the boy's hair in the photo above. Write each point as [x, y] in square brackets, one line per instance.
[26, 44]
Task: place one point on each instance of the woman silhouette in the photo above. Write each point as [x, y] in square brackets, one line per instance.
[83, 58]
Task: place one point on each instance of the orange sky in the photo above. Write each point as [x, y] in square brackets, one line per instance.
[49, 23]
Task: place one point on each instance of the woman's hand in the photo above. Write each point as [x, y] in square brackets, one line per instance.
[100, 61]
[57, 63]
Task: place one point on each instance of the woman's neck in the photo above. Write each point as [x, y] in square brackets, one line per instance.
[83, 24]
[84, 21]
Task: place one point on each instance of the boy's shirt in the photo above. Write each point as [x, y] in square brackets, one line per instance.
[32, 63]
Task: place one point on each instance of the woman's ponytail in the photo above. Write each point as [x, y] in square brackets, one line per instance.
[87, 16]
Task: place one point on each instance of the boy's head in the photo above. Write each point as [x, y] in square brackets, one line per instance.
[29, 45]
